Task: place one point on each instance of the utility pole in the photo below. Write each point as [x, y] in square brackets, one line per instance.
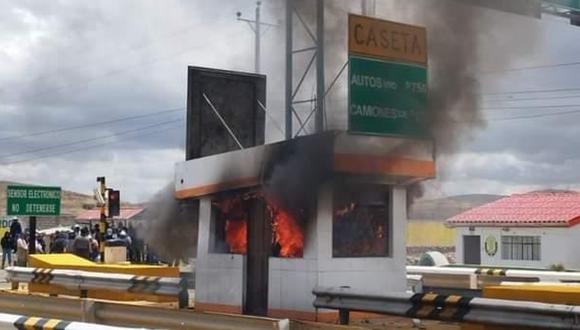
[320, 85]
[103, 223]
[256, 26]
[289, 68]
[257, 39]
[368, 7]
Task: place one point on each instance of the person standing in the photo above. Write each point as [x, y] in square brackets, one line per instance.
[7, 246]
[60, 243]
[21, 250]
[15, 228]
[81, 245]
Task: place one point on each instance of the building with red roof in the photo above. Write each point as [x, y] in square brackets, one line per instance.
[126, 213]
[536, 229]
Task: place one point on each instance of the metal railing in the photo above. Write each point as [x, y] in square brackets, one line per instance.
[83, 281]
[450, 308]
[472, 278]
[119, 314]
[539, 275]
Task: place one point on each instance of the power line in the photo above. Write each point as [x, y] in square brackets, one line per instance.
[512, 99]
[533, 67]
[64, 129]
[554, 114]
[533, 91]
[57, 146]
[83, 148]
[533, 107]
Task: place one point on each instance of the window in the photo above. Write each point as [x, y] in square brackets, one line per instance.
[236, 214]
[361, 221]
[520, 247]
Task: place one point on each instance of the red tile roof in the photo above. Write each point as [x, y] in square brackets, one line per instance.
[95, 214]
[535, 209]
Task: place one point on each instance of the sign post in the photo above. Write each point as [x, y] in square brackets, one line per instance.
[33, 201]
[387, 78]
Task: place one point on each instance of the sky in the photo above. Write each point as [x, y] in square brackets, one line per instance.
[98, 88]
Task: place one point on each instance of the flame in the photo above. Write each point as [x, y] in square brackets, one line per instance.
[288, 234]
[236, 235]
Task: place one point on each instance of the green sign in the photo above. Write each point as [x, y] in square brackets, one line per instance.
[570, 4]
[34, 201]
[387, 98]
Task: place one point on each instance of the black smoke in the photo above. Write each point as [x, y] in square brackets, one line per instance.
[170, 229]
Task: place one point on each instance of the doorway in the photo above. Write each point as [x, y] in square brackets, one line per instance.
[472, 250]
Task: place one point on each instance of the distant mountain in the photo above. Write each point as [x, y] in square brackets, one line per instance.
[444, 208]
[72, 203]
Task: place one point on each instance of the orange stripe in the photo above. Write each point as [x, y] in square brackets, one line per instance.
[213, 188]
[370, 164]
[218, 308]
[327, 316]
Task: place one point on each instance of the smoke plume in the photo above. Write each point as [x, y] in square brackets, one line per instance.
[171, 226]
[459, 45]
[296, 170]
[462, 41]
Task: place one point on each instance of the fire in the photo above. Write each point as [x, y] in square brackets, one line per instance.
[288, 234]
[237, 235]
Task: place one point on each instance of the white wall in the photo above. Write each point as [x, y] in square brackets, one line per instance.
[372, 275]
[559, 245]
[292, 280]
[219, 277]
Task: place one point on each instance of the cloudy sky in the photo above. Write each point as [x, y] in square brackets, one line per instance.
[98, 88]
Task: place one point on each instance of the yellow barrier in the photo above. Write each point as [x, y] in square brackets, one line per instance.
[565, 293]
[71, 261]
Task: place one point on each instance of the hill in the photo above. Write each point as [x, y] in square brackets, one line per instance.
[72, 203]
[443, 208]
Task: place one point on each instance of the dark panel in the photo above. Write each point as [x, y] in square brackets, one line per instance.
[472, 250]
[259, 246]
[235, 95]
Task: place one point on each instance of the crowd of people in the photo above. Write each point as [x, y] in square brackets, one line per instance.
[82, 241]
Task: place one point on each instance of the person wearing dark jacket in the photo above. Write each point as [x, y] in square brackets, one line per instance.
[60, 243]
[15, 228]
[7, 246]
[81, 245]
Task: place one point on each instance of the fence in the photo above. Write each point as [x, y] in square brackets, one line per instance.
[472, 278]
[83, 281]
[118, 314]
[450, 308]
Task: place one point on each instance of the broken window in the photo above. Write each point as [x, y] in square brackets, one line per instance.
[361, 222]
[233, 212]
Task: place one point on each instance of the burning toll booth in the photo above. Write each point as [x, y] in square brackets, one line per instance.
[277, 220]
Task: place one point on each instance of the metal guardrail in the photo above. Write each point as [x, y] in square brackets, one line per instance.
[8, 321]
[538, 275]
[120, 314]
[450, 308]
[470, 280]
[83, 280]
